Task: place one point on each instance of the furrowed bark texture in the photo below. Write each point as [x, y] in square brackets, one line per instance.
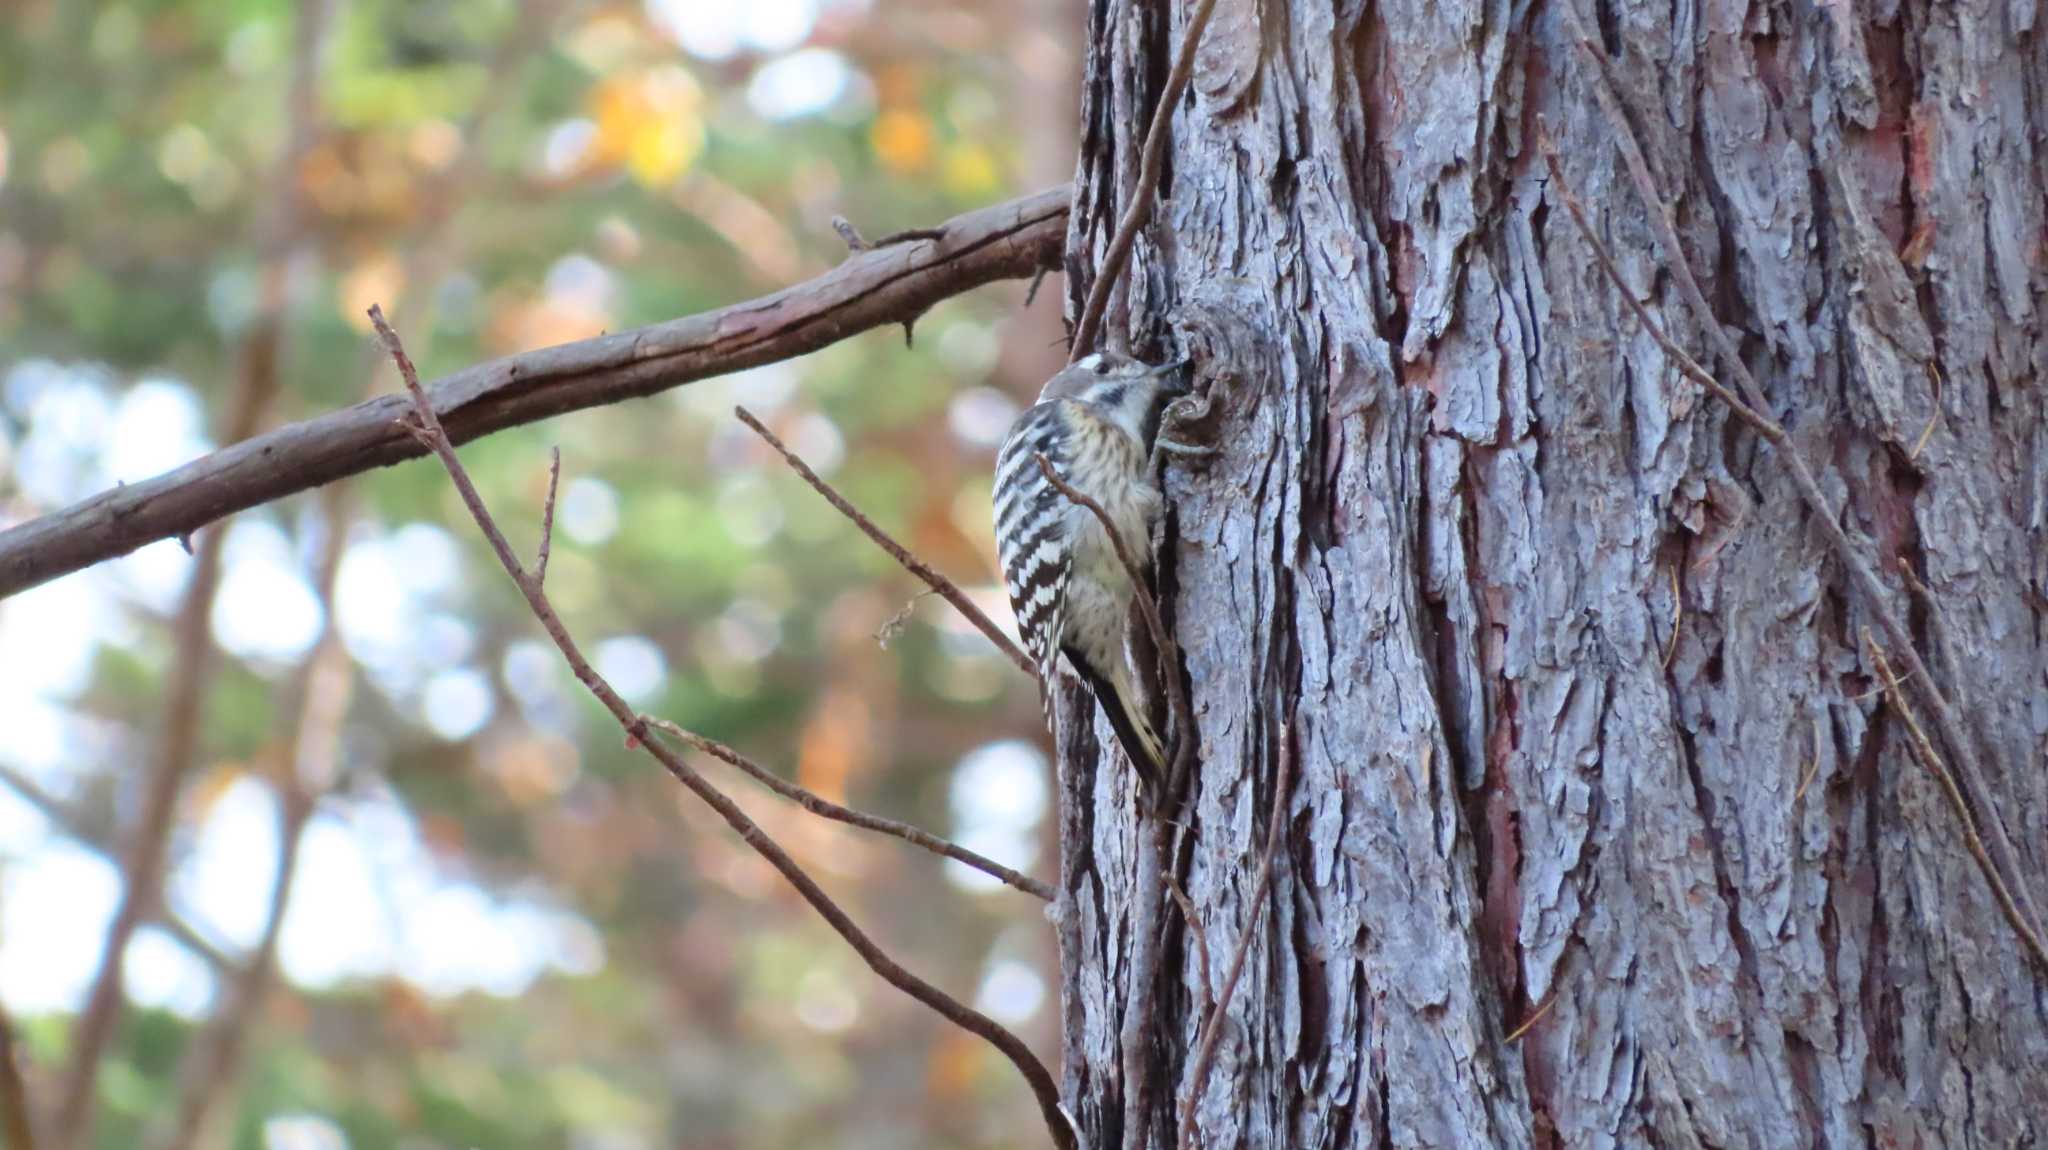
[1462, 505]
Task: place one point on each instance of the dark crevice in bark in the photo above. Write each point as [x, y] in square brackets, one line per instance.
[1881, 1006]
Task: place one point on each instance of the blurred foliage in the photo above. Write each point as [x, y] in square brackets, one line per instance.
[501, 178]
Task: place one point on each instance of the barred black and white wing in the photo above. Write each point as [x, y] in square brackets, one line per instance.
[1034, 537]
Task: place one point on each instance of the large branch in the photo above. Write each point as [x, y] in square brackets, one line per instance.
[885, 285]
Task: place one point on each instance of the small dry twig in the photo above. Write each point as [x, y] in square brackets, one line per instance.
[1679, 357]
[1925, 755]
[943, 586]
[547, 516]
[894, 624]
[429, 431]
[1212, 1027]
[847, 232]
[825, 808]
[1150, 168]
[1530, 1022]
[1677, 618]
[1193, 920]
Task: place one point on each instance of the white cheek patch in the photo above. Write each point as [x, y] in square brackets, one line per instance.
[1089, 362]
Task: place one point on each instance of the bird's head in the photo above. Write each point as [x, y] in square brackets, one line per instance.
[1130, 390]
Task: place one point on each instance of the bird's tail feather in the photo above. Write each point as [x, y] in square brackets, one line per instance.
[1134, 730]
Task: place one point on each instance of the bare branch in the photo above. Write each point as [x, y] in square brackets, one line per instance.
[210, 1068]
[826, 808]
[434, 438]
[885, 286]
[1961, 750]
[939, 584]
[1150, 168]
[1212, 1027]
[75, 827]
[144, 861]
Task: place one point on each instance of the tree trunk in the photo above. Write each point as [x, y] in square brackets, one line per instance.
[1579, 714]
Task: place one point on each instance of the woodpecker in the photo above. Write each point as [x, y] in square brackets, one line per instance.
[1095, 422]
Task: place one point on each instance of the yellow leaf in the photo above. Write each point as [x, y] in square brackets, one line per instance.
[650, 122]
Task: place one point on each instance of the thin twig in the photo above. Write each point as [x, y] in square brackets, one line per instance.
[1924, 753]
[75, 826]
[894, 624]
[1677, 618]
[1933, 416]
[1812, 765]
[826, 808]
[547, 516]
[429, 430]
[901, 554]
[1193, 920]
[1212, 1027]
[1150, 168]
[1535, 1016]
[1937, 626]
[1679, 357]
[855, 243]
[1037, 281]
[910, 236]
[211, 1065]
[15, 1121]
[1961, 751]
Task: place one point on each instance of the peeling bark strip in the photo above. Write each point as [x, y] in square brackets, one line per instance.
[893, 284]
[1585, 733]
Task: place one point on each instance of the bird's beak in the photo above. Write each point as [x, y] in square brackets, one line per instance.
[1170, 368]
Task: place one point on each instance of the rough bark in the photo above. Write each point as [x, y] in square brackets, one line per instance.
[1572, 681]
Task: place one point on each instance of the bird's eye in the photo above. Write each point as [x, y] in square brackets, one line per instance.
[1101, 366]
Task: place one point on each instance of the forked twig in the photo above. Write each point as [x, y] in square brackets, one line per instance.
[827, 809]
[1925, 754]
[943, 586]
[1753, 407]
[1212, 1026]
[1150, 168]
[430, 433]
